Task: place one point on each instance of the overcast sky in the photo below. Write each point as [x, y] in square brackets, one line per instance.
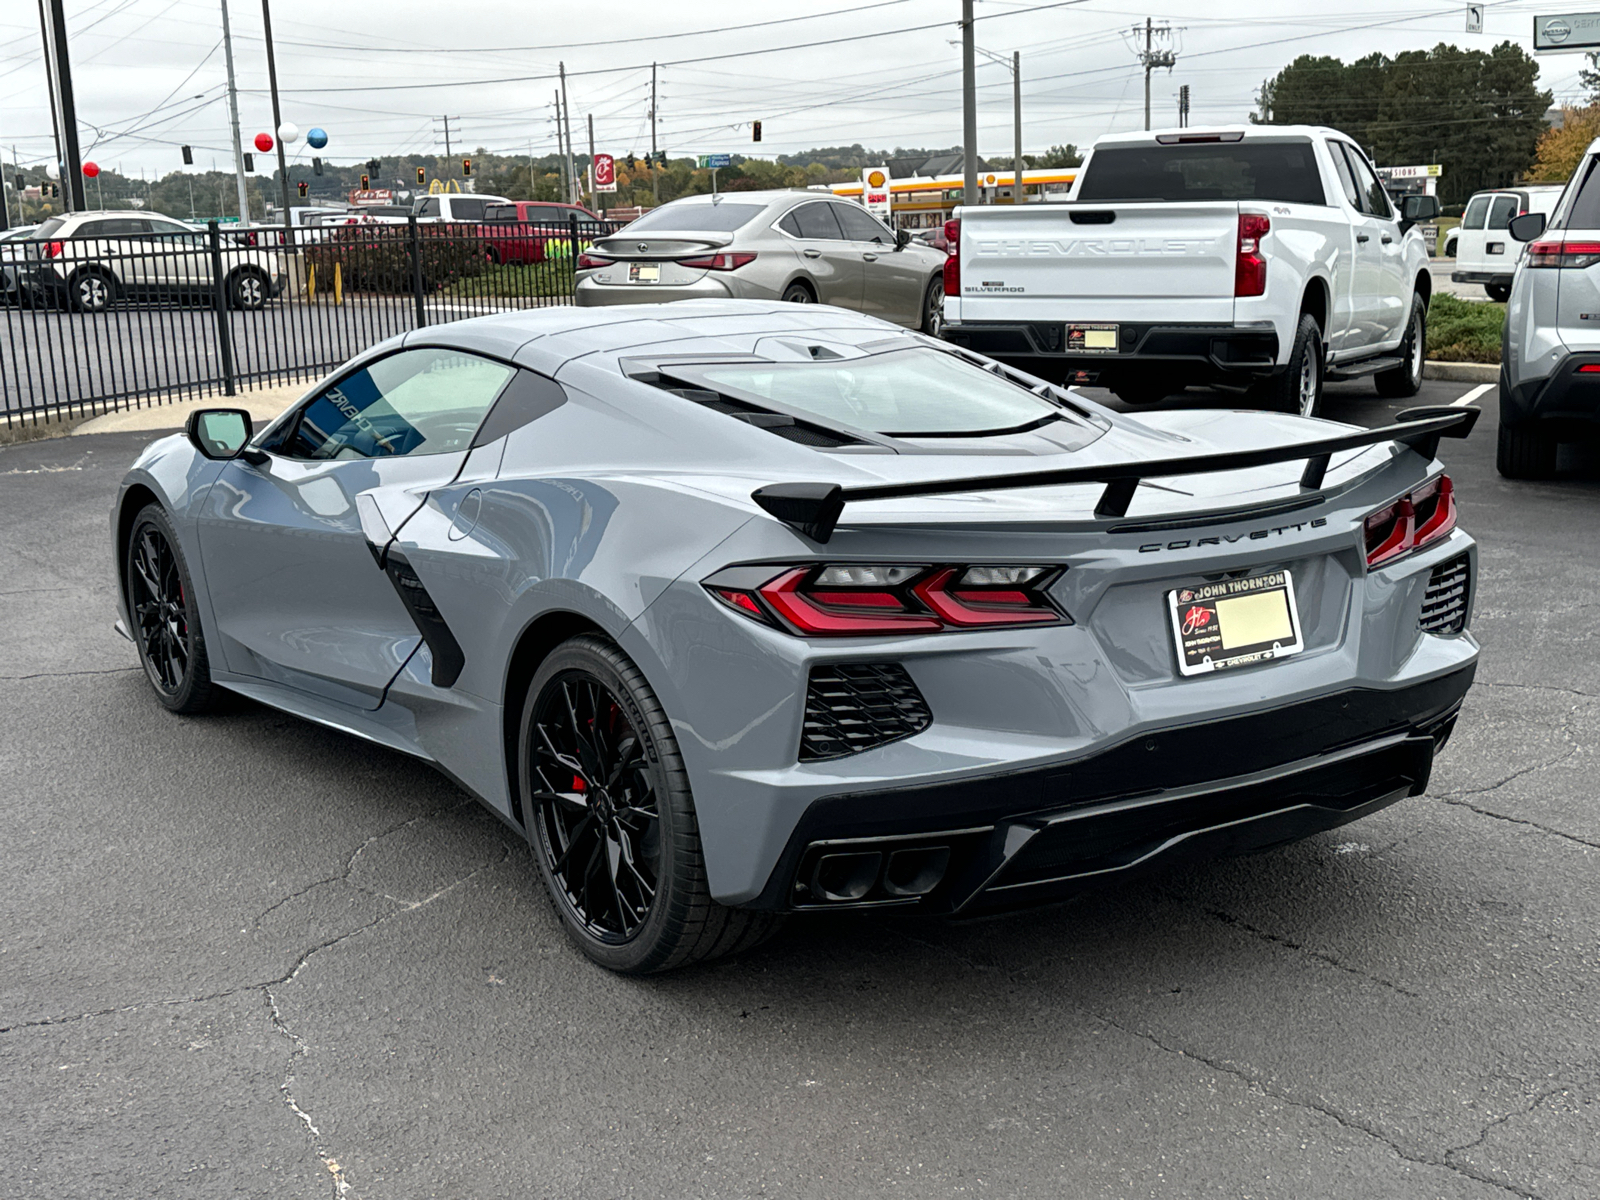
[150, 74]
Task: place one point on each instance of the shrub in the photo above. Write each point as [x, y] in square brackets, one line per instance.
[1464, 330]
[377, 258]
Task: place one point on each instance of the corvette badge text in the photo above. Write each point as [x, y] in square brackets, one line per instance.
[1255, 535]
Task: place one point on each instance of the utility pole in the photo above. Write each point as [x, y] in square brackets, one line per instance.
[1017, 195]
[233, 116]
[277, 125]
[566, 121]
[1183, 106]
[67, 118]
[969, 108]
[561, 151]
[593, 195]
[50, 87]
[1151, 58]
[655, 179]
[447, 135]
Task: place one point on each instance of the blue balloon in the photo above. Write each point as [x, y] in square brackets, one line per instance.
[317, 138]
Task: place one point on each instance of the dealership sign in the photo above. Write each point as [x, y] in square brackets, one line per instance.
[875, 191]
[1566, 33]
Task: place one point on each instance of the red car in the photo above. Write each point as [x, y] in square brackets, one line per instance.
[517, 232]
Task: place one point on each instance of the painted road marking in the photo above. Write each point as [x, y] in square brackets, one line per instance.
[1463, 401]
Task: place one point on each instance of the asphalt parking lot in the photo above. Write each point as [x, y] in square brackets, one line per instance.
[248, 956]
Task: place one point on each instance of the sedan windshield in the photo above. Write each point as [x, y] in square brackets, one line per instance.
[904, 393]
[697, 217]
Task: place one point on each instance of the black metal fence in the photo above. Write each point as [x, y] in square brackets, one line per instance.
[104, 321]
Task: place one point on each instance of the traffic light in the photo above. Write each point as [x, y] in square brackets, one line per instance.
[373, 165]
[188, 157]
[661, 157]
[366, 184]
[316, 166]
[305, 189]
[755, 131]
[422, 176]
[631, 161]
[466, 167]
[250, 164]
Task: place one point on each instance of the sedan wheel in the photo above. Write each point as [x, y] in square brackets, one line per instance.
[166, 625]
[798, 293]
[249, 291]
[91, 293]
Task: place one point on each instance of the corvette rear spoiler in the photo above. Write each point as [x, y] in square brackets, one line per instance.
[813, 509]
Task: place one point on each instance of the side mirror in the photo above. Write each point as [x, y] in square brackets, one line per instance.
[219, 433]
[1527, 226]
[1418, 208]
[902, 239]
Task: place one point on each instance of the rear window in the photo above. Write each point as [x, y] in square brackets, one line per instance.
[903, 392]
[698, 217]
[1284, 171]
[500, 212]
[49, 228]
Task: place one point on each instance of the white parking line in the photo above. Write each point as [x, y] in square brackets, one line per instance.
[1463, 401]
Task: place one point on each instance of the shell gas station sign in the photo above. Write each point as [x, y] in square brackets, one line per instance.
[875, 191]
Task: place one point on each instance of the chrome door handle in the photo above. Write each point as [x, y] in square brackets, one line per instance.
[812, 253]
[1387, 240]
[1361, 237]
[870, 257]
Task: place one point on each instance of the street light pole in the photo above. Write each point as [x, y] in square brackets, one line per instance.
[277, 123]
[566, 121]
[1016, 120]
[969, 108]
[61, 79]
[233, 116]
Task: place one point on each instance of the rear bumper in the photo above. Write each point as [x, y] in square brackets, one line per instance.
[1029, 837]
[1503, 277]
[591, 293]
[1196, 353]
[1568, 395]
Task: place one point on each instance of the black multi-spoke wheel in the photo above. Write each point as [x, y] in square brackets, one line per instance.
[164, 621]
[612, 821]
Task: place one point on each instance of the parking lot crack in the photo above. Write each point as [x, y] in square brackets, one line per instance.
[1300, 948]
[66, 674]
[1522, 1111]
[1499, 816]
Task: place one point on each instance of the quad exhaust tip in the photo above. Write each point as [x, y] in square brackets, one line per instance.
[876, 876]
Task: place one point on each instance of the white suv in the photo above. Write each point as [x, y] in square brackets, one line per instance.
[92, 260]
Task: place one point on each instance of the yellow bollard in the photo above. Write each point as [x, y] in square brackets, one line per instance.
[338, 284]
[311, 282]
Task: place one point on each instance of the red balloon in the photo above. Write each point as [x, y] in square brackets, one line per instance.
[263, 142]
[90, 170]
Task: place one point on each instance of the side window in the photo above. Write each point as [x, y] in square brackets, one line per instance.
[1501, 210]
[859, 226]
[1341, 168]
[1477, 207]
[430, 207]
[1374, 200]
[467, 210]
[815, 221]
[424, 401]
[165, 227]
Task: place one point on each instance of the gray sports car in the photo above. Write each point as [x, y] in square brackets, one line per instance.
[736, 609]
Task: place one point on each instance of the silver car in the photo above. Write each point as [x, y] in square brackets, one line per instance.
[1550, 369]
[803, 247]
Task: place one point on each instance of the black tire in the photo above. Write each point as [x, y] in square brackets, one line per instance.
[1498, 292]
[1298, 388]
[1526, 452]
[659, 914]
[248, 290]
[492, 256]
[933, 308]
[164, 618]
[1406, 379]
[91, 291]
[799, 293]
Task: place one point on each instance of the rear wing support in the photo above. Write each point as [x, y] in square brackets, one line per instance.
[814, 509]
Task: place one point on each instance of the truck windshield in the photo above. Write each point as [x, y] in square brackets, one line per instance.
[1283, 171]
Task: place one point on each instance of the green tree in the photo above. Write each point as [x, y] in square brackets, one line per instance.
[1057, 157]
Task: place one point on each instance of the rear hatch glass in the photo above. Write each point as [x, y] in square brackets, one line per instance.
[1251, 170]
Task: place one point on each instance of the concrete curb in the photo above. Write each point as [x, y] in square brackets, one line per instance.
[262, 406]
[1462, 372]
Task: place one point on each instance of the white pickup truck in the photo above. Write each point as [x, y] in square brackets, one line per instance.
[1260, 258]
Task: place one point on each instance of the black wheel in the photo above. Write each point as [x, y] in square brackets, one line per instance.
[798, 293]
[91, 291]
[1498, 292]
[1406, 379]
[492, 256]
[248, 290]
[166, 622]
[612, 821]
[933, 308]
[1298, 389]
[1526, 452]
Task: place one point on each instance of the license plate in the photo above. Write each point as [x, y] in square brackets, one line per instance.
[1091, 339]
[1235, 622]
[644, 272]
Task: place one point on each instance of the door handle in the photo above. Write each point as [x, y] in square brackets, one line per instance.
[1361, 237]
[1387, 240]
[870, 257]
[812, 253]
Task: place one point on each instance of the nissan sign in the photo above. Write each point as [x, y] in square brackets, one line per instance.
[1567, 33]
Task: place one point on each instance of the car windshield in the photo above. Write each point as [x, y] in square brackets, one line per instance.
[903, 392]
[698, 217]
[1284, 171]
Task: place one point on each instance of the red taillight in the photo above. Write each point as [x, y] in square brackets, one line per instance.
[52, 249]
[588, 262]
[1250, 268]
[717, 262]
[1589, 369]
[952, 262]
[1557, 255]
[1417, 519]
[855, 600]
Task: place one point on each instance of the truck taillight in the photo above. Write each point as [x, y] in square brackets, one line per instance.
[1250, 268]
[1563, 254]
[952, 262]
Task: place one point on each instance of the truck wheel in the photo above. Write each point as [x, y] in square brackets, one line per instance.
[1406, 379]
[1498, 292]
[1526, 452]
[1298, 388]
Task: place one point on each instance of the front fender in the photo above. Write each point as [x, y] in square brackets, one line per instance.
[172, 473]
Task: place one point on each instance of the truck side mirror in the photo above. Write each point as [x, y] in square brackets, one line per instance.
[1527, 226]
[1417, 208]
